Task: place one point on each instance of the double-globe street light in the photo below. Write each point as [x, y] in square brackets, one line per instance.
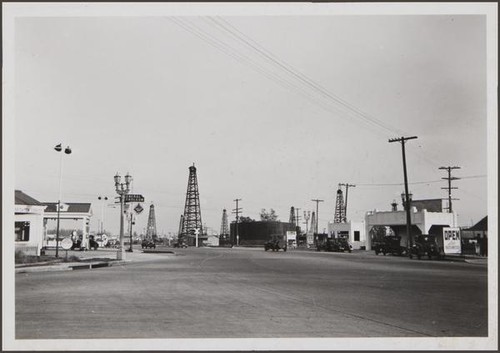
[67, 150]
[122, 189]
[104, 199]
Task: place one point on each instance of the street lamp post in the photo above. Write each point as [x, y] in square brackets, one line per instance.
[130, 231]
[122, 189]
[67, 150]
[104, 199]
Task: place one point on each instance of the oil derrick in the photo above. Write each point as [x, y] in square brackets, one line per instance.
[224, 227]
[339, 216]
[151, 229]
[292, 216]
[313, 223]
[192, 211]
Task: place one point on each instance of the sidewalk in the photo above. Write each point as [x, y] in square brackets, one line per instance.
[472, 259]
[90, 260]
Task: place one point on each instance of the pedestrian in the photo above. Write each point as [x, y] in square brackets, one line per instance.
[478, 245]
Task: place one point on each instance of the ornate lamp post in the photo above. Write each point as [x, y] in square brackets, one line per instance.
[67, 150]
[122, 189]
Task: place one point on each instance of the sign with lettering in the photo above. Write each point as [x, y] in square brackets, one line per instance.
[451, 241]
[134, 198]
[291, 235]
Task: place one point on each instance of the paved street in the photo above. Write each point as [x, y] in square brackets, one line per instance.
[238, 293]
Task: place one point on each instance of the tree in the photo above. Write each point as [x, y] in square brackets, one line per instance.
[378, 233]
[246, 219]
[270, 216]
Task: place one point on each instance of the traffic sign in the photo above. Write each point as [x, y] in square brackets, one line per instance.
[134, 198]
[138, 209]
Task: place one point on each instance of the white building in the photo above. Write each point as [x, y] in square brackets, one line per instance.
[69, 212]
[427, 217]
[29, 224]
[354, 231]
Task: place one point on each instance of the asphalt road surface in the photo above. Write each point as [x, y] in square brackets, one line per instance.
[243, 293]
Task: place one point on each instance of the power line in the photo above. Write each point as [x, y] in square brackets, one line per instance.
[298, 75]
[231, 51]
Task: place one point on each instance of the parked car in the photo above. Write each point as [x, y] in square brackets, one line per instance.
[276, 243]
[425, 245]
[93, 244]
[146, 243]
[390, 244]
[180, 244]
[334, 244]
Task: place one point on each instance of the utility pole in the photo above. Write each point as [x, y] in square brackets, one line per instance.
[237, 211]
[347, 185]
[317, 212]
[449, 188]
[307, 216]
[407, 203]
[297, 218]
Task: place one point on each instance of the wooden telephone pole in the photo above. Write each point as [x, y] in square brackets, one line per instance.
[407, 203]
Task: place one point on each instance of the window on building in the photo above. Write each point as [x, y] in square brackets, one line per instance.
[356, 235]
[22, 230]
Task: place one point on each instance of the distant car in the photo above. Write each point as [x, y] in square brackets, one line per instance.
[425, 245]
[390, 244]
[93, 244]
[180, 245]
[148, 244]
[275, 243]
[335, 245]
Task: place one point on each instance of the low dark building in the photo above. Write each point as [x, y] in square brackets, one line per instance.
[257, 233]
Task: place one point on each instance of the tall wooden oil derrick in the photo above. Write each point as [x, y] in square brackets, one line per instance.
[292, 216]
[151, 229]
[313, 223]
[339, 216]
[192, 211]
[224, 227]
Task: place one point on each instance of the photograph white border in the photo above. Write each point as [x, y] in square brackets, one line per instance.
[11, 11]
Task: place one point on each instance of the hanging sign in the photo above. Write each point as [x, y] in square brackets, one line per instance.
[134, 198]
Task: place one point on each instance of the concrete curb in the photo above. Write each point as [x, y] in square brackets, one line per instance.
[63, 267]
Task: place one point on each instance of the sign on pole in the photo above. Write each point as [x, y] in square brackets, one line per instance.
[138, 209]
[134, 198]
[197, 232]
[291, 235]
[451, 241]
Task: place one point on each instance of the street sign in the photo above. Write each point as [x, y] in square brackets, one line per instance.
[197, 231]
[66, 243]
[138, 209]
[134, 198]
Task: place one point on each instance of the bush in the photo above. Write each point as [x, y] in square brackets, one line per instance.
[72, 258]
[19, 257]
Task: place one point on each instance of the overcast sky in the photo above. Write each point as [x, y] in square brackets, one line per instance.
[275, 110]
